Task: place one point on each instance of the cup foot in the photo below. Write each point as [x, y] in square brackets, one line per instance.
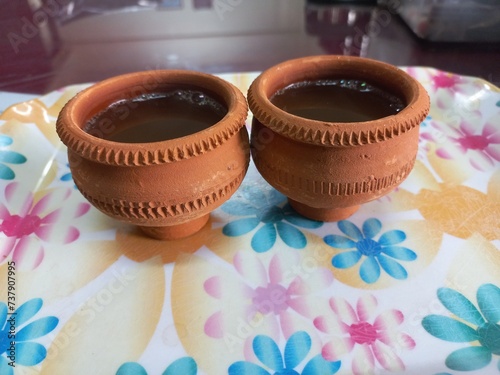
[175, 232]
[323, 214]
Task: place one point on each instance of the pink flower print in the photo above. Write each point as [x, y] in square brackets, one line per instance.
[272, 298]
[350, 330]
[26, 225]
[279, 295]
[444, 80]
[451, 90]
[475, 138]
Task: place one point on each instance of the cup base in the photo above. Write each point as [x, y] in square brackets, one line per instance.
[323, 214]
[175, 232]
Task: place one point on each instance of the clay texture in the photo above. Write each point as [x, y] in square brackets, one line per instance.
[167, 188]
[327, 169]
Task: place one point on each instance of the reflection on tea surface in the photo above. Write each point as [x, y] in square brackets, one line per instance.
[342, 100]
[156, 117]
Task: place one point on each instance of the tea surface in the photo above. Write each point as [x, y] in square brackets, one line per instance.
[156, 117]
[339, 100]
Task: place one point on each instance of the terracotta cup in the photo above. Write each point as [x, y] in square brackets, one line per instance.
[167, 187]
[327, 169]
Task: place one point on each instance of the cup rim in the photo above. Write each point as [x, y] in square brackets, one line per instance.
[70, 122]
[325, 133]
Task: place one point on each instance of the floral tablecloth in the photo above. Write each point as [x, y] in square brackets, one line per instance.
[408, 285]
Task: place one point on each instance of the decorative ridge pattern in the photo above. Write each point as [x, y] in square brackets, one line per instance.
[141, 157]
[159, 210]
[339, 188]
[331, 137]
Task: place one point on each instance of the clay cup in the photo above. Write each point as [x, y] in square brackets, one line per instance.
[327, 169]
[168, 187]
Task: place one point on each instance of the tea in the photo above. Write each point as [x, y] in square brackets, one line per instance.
[156, 117]
[341, 100]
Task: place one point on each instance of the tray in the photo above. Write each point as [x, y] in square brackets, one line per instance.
[408, 285]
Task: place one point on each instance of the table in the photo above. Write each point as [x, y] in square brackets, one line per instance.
[48, 44]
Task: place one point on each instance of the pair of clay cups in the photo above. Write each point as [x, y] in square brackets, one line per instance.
[168, 188]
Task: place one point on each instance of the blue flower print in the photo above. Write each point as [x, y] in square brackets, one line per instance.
[296, 350]
[361, 245]
[480, 327]
[67, 176]
[268, 207]
[25, 352]
[184, 366]
[8, 157]
[426, 121]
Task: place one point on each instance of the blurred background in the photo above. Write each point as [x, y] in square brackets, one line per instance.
[47, 44]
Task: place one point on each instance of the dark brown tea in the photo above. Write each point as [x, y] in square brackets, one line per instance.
[341, 100]
[156, 117]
